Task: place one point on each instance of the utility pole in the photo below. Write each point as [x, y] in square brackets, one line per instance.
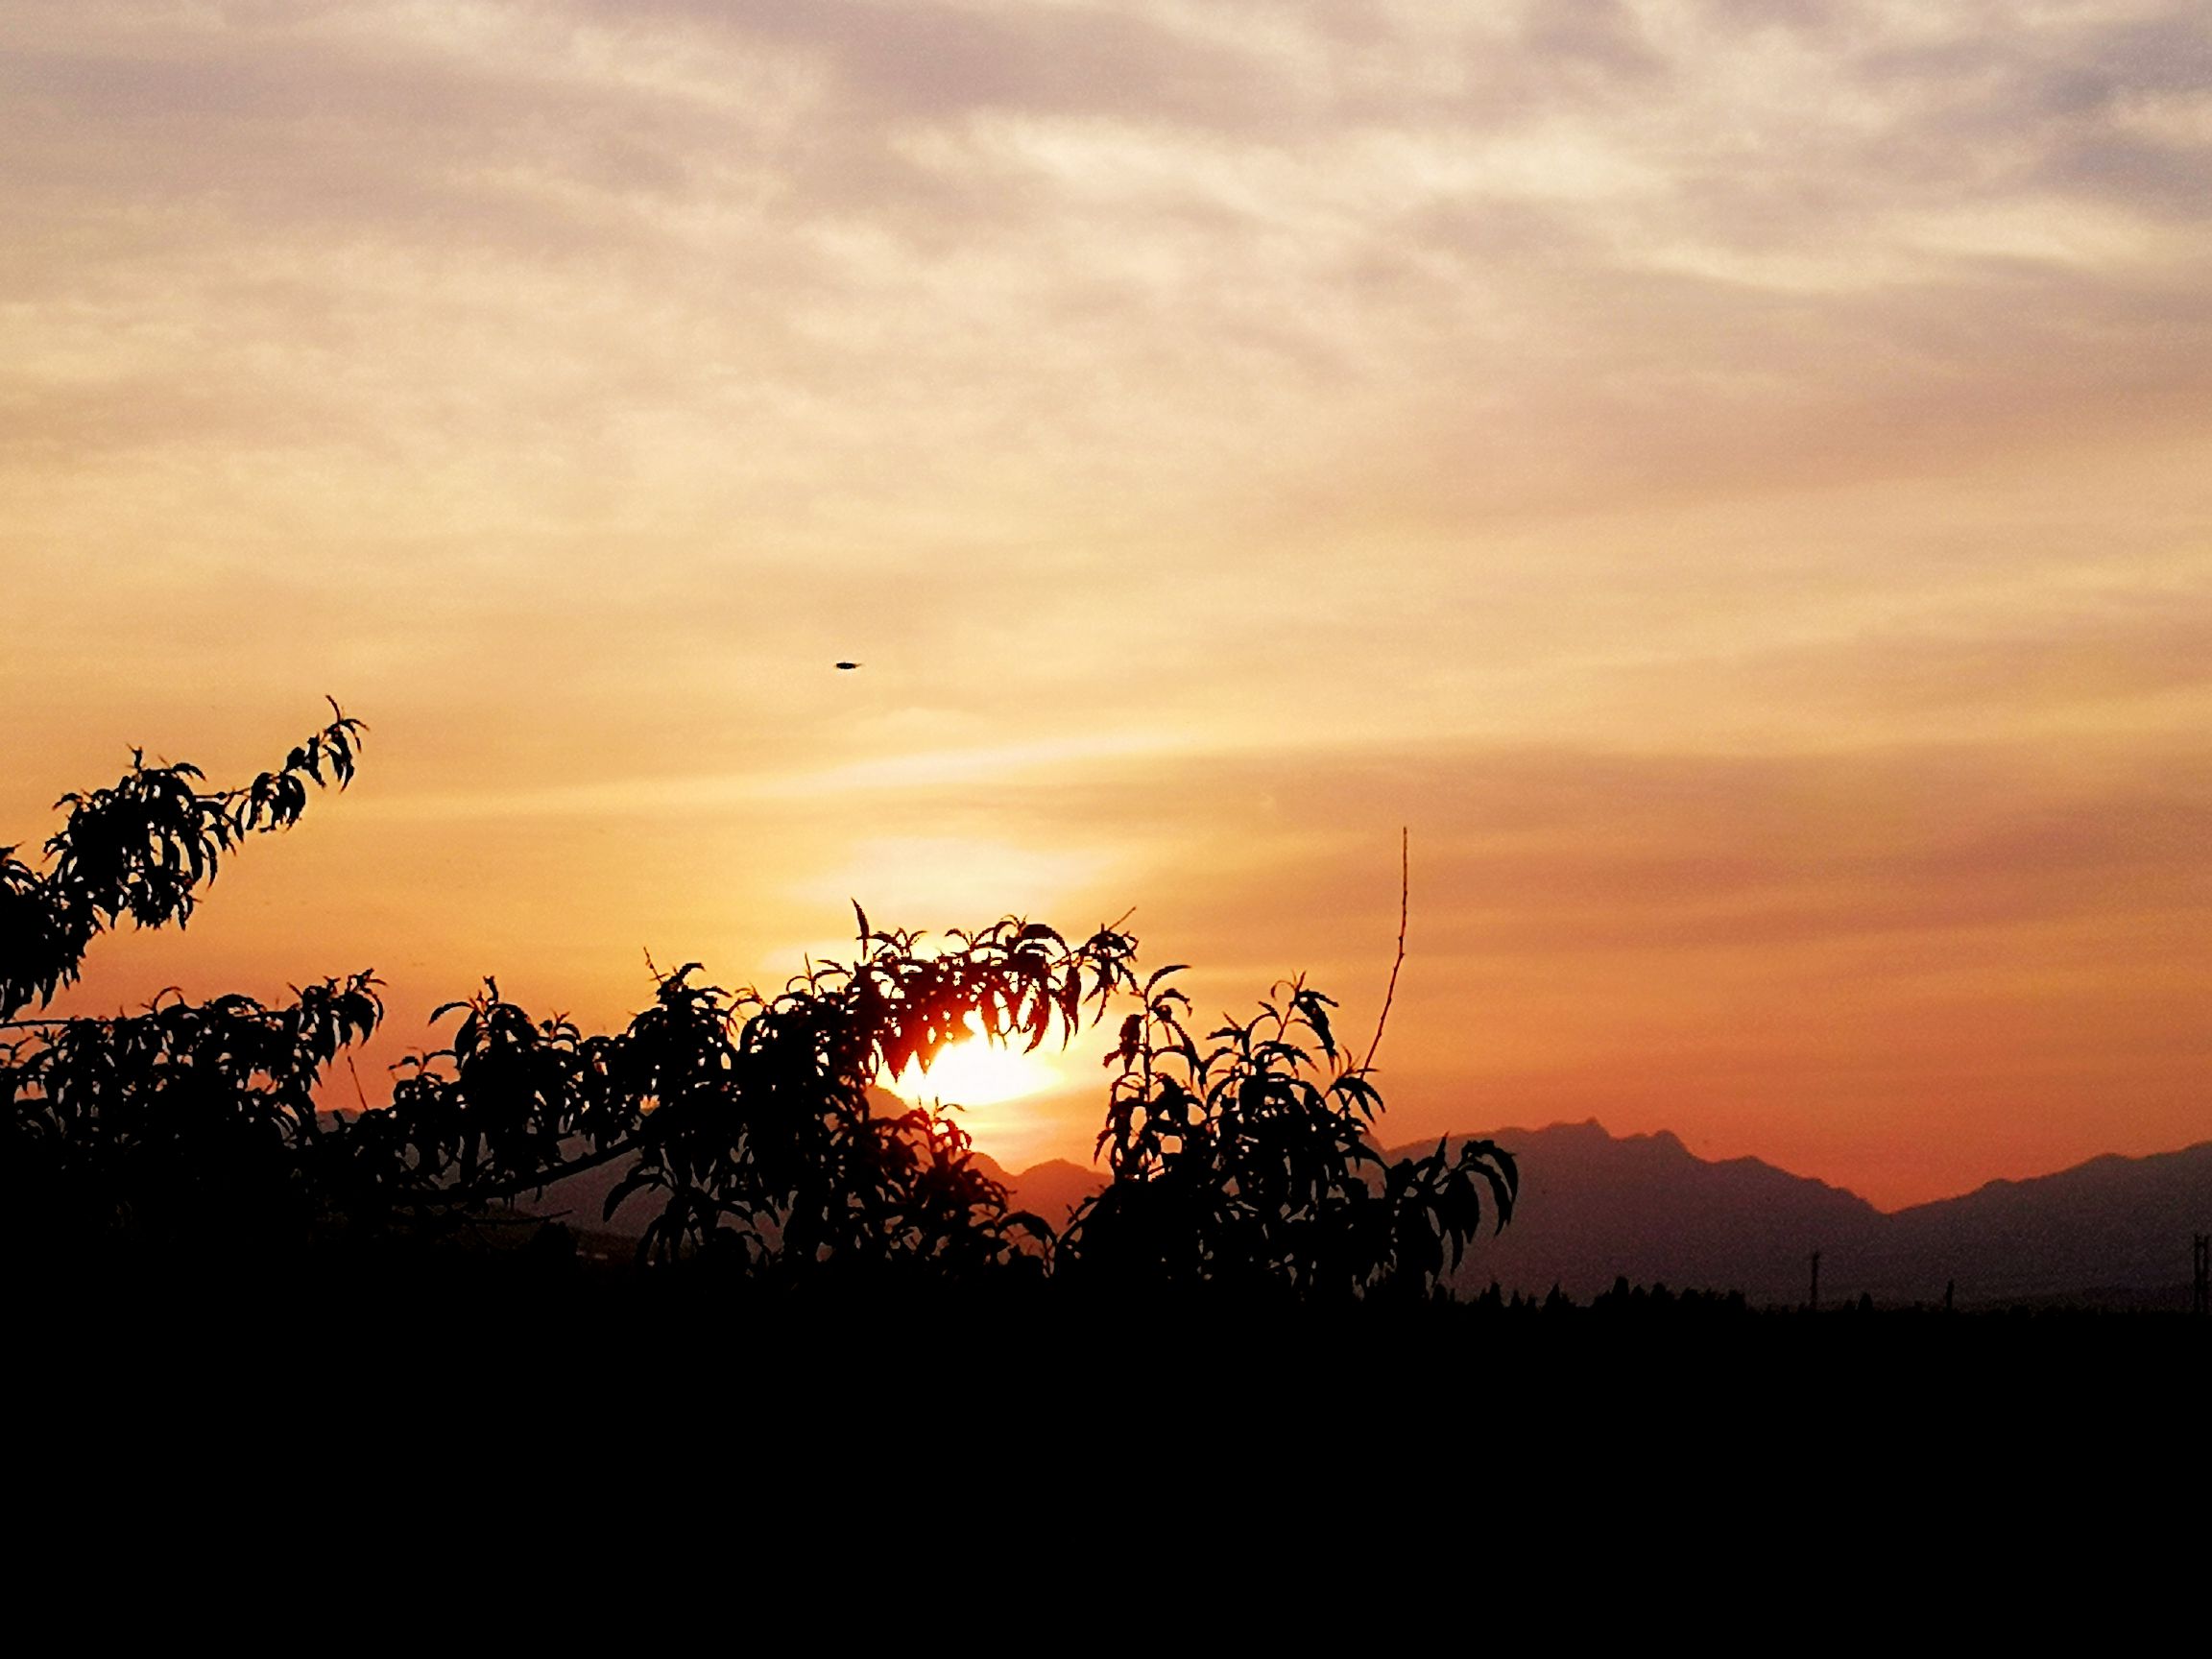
[1816, 1281]
[2200, 1297]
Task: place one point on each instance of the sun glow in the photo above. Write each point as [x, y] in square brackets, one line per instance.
[973, 1071]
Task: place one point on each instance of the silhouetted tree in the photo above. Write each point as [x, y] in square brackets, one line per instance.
[752, 1122]
[748, 1117]
[183, 1118]
[142, 849]
[1247, 1165]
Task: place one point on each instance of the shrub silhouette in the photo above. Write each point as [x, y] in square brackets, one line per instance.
[751, 1119]
[142, 849]
[183, 1119]
[1248, 1165]
[749, 1122]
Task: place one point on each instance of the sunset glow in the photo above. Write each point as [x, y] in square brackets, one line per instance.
[974, 1071]
[1731, 480]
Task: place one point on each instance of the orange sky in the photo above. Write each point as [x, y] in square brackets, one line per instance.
[1732, 478]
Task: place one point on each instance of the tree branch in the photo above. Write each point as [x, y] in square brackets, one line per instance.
[1405, 891]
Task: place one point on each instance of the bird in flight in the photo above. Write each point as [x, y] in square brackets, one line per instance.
[848, 668]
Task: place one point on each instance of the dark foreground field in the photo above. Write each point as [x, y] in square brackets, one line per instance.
[470, 1425]
[1083, 1372]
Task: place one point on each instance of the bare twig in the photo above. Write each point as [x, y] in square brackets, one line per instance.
[1405, 890]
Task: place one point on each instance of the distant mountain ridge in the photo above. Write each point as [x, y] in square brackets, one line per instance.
[1595, 1206]
[2111, 1223]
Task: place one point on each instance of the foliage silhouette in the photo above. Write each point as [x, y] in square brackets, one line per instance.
[1249, 1165]
[749, 1125]
[142, 849]
[751, 1118]
[183, 1121]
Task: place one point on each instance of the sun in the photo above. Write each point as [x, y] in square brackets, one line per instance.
[973, 1072]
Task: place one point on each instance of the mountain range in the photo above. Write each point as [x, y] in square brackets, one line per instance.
[1595, 1206]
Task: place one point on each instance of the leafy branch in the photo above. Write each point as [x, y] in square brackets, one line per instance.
[143, 848]
[1249, 1163]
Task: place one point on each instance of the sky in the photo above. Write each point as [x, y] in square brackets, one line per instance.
[1730, 479]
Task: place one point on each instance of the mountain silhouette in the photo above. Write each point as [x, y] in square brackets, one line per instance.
[1051, 1191]
[2110, 1224]
[1595, 1206]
